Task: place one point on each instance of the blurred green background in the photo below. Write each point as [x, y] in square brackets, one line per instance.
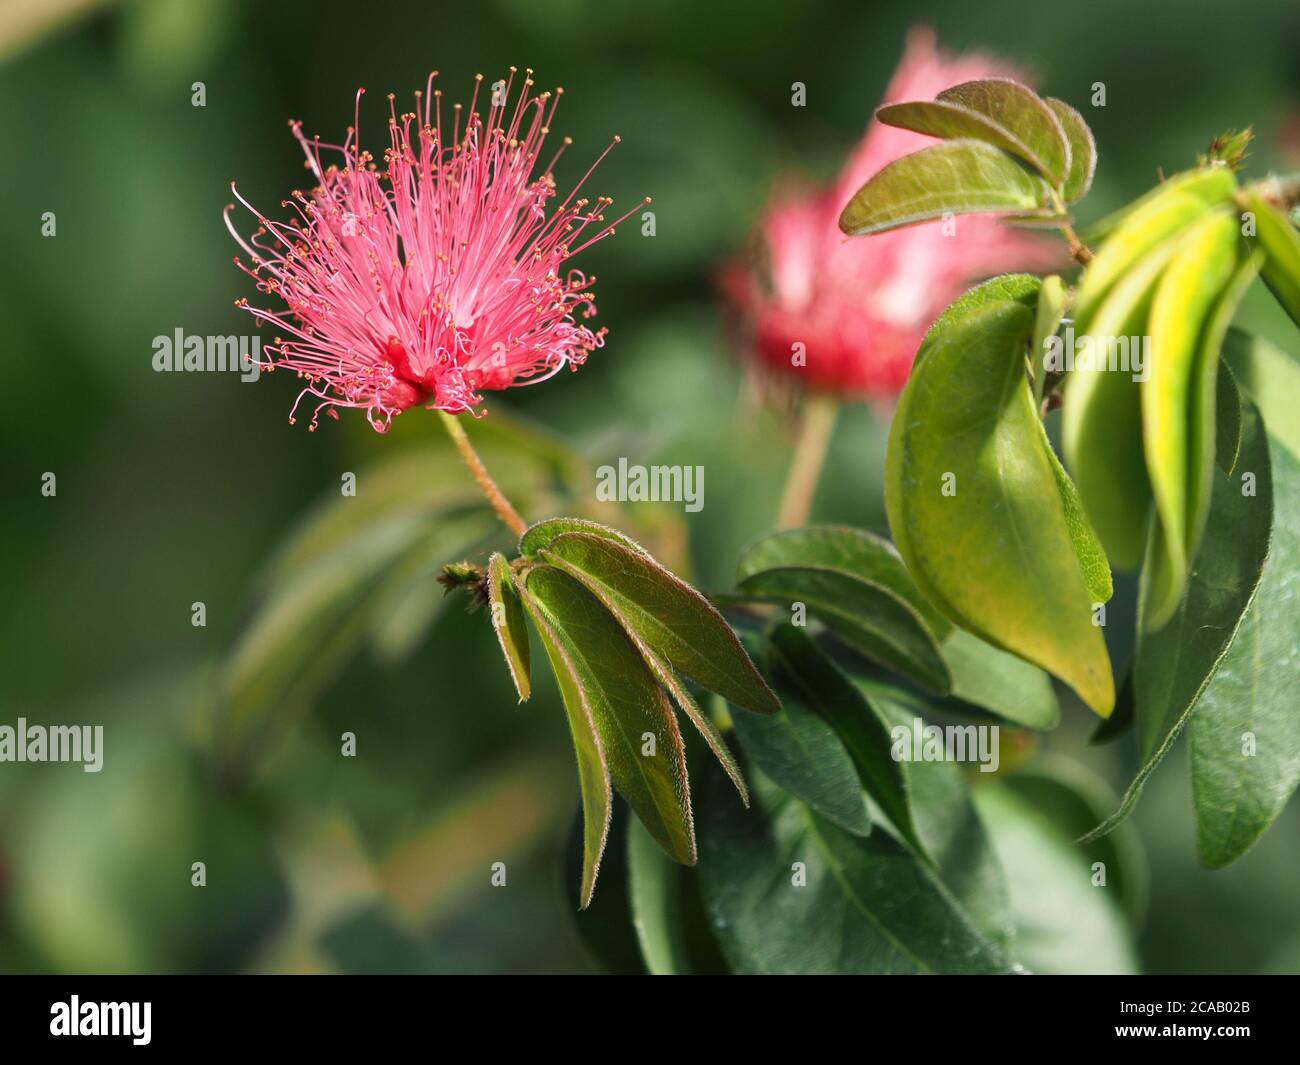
[178, 488]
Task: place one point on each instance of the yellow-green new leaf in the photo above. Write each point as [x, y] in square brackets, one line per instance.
[1185, 298]
[973, 499]
[1281, 243]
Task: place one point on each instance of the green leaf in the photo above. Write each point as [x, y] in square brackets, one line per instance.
[1281, 244]
[1272, 378]
[593, 766]
[950, 120]
[1083, 150]
[1144, 226]
[868, 905]
[1173, 665]
[1245, 732]
[800, 751]
[541, 535]
[1063, 923]
[1093, 563]
[972, 494]
[605, 924]
[666, 614]
[844, 707]
[1175, 404]
[1052, 299]
[1024, 115]
[985, 677]
[1227, 420]
[857, 586]
[508, 621]
[957, 177]
[626, 705]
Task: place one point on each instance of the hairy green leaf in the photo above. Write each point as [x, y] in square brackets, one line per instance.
[1025, 117]
[957, 177]
[665, 613]
[508, 621]
[1083, 150]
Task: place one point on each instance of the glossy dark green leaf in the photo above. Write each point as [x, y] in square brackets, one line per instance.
[666, 614]
[950, 120]
[957, 177]
[605, 925]
[1173, 665]
[800, 751]
[1245, 731]
[1281, 244]
[637, 728]
[866, 904]
[593, 764]
[1190, 311]
[857, 586]
[1083, 150]
[843, 706]
[972, 494]
[508, 622]
[1024, 115]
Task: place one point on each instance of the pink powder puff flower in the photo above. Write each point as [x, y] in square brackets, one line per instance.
[860, 306]
[438, 277]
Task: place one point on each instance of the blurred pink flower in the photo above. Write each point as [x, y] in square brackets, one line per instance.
[860, 306]
[440, 275]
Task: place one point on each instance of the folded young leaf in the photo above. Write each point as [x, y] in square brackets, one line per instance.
[1176, 443]
[957, 177]
[636, 725]
[972, 495]
[1024, 115]
[1083, 150]
[666, 613]
[508, 622]
[1281, 244]
[1173, 665]
[543, 533]
[593, 766]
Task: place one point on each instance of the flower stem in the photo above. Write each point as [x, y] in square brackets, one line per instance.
[508, 515]
[819, 413]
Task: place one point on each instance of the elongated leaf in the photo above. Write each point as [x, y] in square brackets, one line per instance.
[1173, 665]
[957, 177]
[800, 751]
[1181, 311]
[1161, 214]
[991, 679]
[856, 585]
[1024, 115]
[863, 904]
[972, 496]
[1245, 732]
[593, 765]
[1083, 150]
[1047, 321]
[846, 709]
[950, 120]
[627, 706]
[1101, 431]
[670, 616]
[605, 923]
[1281, 244]
[1093, 563]
[508, 621]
